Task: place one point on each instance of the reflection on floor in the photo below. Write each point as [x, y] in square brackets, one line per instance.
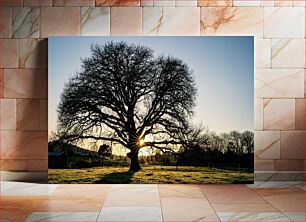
[271, 201]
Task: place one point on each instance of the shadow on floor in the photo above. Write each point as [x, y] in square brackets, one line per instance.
[117, 178]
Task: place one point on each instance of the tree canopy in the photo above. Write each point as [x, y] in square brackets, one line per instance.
[126, 94]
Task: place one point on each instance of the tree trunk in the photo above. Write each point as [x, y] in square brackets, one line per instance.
[133, 155]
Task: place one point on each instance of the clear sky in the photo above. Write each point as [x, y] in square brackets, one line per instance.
[223, 68]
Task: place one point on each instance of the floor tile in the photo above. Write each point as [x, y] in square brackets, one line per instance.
[230, 194]
[296, 216]
[284, 199]
[18, 208]
[187, 209]
[266, 192]
[276, 184]
[130, 214]
[169, 203]
[262, 207]
[75, 198]
[173, 190]
[93, 191]
[9, 188]
[63, 216]
[251, 216]
[288, 203]
[71, 204]
[133, 196]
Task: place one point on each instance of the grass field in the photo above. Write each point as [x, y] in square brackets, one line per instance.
[151, 174]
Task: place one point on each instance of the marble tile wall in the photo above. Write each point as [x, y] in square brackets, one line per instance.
[278, 27]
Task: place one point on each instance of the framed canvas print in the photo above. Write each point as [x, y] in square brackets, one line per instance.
[151, 109]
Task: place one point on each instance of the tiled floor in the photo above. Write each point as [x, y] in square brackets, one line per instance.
[171, 203]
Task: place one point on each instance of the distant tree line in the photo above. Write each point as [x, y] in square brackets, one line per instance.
[233, 149]
[201, 147]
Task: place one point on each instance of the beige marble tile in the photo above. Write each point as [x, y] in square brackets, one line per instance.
[23, 144]
[232, 21]
[283, 3]
[63, 216]
[300, 114]
[5, 3]
[284, 22]
[182, 191]
[279, 114]
[126, 21]
[37, 2]
[146, 3]
[28, 114]
[43, 114]
[71, 204]
[25, 83]
[8, 53]
[1, 83]
[258, 114]
[95, 21]
[289, 165]
[262, 53]
[282, 176]
[292, 144]
[284, 50]
[279, 83]
[37, 165]
[267, 3]
[276, 184]
[51, 17]
[299, 3]
[285, 199]
[211, 3]
[5, 22]
[13, 165]
[163, 3]
[73, 2]
[186, 3]
[90, 191]
[263, 165]
[187, 209]
[130, 214]
[75, 197]
[230, 194]
[305, 83]
[295, 216]
[25, 22]
[33, 53]
[267, 145]
[160, 21]
[118, 3]
[253, 216]
[18, 208]
[8, 114]
[133, 196]
[263, 207]
[26, 189]
[248, 3]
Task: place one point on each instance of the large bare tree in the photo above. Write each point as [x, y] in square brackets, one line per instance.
[124, 94]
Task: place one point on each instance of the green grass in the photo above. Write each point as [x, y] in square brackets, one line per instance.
[151, 174]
